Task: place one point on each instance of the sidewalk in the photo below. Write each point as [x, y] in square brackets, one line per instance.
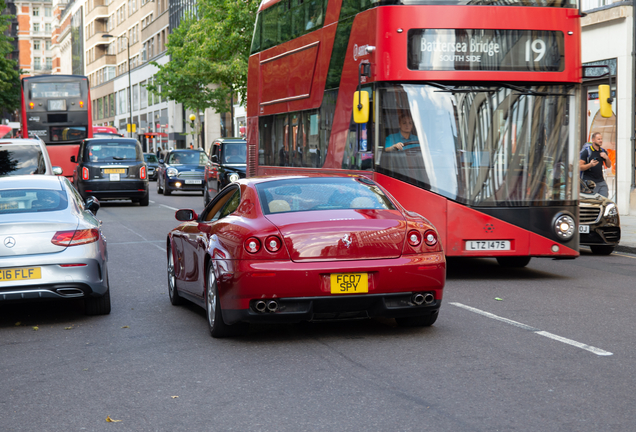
[628, 234]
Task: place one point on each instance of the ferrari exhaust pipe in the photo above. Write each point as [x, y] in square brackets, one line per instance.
[272, 306]
[429, 298]
[260, 306]
[417, 299]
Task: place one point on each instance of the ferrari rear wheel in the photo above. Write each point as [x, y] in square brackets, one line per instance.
[418, 321]
[218, 327]
[173, 292]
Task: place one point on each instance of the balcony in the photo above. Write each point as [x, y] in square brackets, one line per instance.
[107, 59]
[97, 39]
[97, 12]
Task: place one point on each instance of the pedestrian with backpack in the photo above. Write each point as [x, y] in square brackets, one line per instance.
[591, 161]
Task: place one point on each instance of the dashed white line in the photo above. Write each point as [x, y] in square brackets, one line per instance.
[552, 336]
[168, 207]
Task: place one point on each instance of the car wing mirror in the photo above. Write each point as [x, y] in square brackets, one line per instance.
[57, 170]
[161, 161]
[92, 204]
[73, 159]
[214, 159]
[186, 215]
[590, 184]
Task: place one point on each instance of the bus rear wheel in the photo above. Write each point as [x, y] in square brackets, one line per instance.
[513, 262]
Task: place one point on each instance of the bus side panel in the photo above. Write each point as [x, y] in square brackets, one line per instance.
[61, 156]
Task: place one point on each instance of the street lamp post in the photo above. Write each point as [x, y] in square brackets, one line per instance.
[130, 108]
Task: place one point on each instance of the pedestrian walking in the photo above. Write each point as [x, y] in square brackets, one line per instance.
[591, 161]
[159, 152]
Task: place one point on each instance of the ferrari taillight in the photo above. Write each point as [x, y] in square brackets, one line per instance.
[75, 238]
[273, 244]
[142, 173]
[252, 245]
[430, 238]
[85, 173]
[414, 238]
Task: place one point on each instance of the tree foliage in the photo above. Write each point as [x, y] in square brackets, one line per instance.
[209, 55]
[9, 74]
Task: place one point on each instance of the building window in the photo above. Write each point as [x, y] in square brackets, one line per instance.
[47, 45]
[47, 11]
[143, 96]
[36, 27]
[135, 97]
[112, 104]
[36, 11]
[36, 63]
[47, 27]
[49, 63]
[150, 101]
[36, 44]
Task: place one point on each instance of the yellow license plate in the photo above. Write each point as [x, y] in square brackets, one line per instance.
[349, 283]
[115, 171]
[24, 273]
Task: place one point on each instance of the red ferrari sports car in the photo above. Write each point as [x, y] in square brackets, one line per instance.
[291, 249]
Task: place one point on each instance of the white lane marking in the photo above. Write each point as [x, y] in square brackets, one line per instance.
[552, 336]
[168, 207]
[145, 240]
[151, 201]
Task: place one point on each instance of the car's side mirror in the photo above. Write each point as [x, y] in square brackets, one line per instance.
[57, 170]
[590, 184]
[73, 159]
[186, 215]
[214, 159]
[161, 161]
[92, 204]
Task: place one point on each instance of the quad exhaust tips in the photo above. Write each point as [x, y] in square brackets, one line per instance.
[420, 299]
[266, 306]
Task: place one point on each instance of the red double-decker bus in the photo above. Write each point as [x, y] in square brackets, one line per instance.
[57, 108]
[473, 111]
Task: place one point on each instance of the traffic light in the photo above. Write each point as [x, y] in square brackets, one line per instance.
[148, 136]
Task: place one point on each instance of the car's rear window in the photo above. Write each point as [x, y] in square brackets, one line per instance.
[32, 200]
[194, 157]
[112, 150]
[307, 194]
[18, 159]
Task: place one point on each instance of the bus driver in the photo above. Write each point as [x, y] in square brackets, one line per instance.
[404, 139]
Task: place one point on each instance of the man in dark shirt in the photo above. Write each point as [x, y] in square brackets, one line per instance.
[591, 162]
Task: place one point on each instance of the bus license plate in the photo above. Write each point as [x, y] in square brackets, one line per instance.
[584, 229]
[115, 171]
[487, 245]
[193, 182]
[20, 273]
[349, 283]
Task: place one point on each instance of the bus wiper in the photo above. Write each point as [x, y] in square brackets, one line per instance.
[447, 89]
[530, 92]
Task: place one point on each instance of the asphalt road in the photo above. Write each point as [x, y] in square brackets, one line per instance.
[556, 352]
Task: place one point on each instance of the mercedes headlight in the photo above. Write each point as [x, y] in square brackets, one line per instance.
[610, 210]
[234, 177]
[564, 226]
[172, 172]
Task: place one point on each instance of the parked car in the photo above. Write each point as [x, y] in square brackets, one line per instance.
[51, 244]
[599, 222]
[290, 249]
[182, 170]
[111, 168]
[152, 163]
[25, 156]
[227, 161]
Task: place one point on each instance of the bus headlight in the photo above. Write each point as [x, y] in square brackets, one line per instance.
[172, 172]
[234, 177]
[564, 226]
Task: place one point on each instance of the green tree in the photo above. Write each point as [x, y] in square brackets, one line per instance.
[209, 55]
[9, 74]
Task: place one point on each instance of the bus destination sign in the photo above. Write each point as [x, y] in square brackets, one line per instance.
[485, 50]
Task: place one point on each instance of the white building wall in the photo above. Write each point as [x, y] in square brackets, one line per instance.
[607, 34]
